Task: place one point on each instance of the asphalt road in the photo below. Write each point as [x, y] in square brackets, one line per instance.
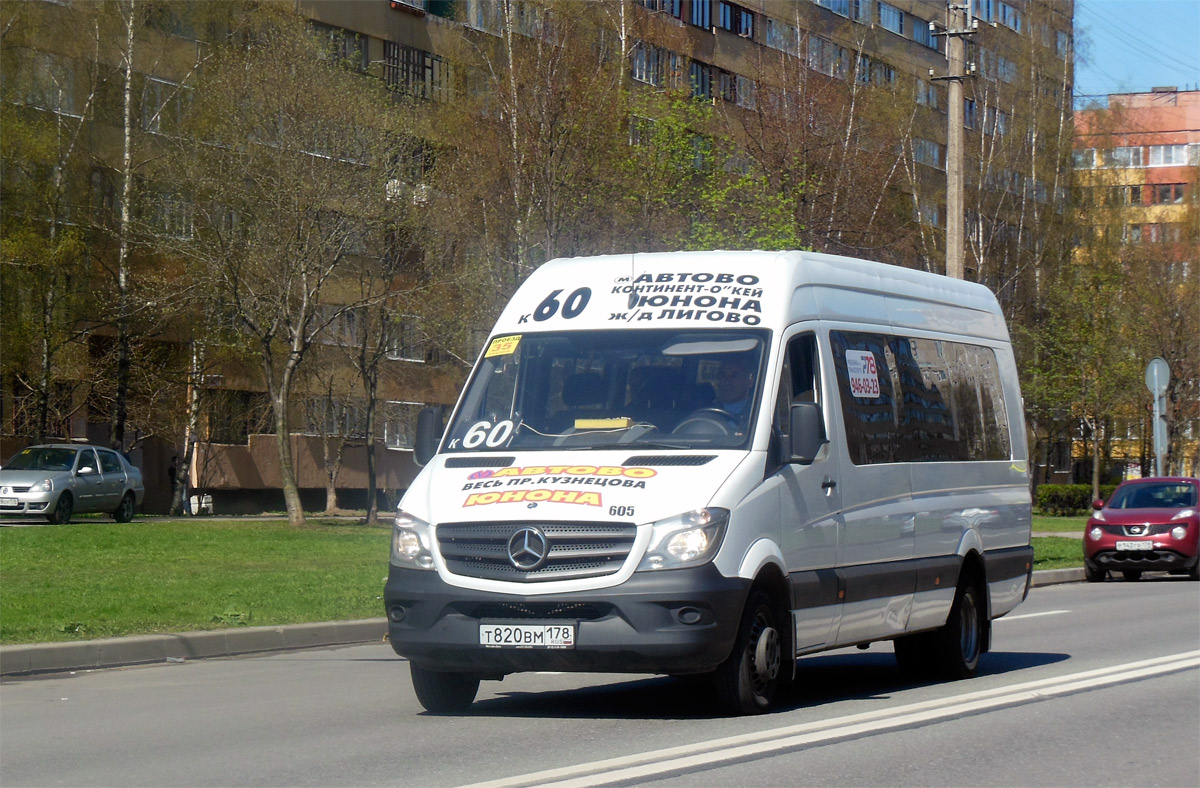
[1088, 685]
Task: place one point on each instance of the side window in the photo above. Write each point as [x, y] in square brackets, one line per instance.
[919, 400]
[800, 382]
[866, 374]
[87, 459]
[109, 462]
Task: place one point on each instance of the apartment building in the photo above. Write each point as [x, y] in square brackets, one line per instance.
[1145, 148]
[839, 76]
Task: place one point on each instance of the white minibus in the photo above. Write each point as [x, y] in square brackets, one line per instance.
[714, 463]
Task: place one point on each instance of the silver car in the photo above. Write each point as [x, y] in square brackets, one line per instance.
[56, 480]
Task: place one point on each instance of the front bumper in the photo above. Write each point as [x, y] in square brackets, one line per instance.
[676, 621]
[1159, 560]
[28, 504]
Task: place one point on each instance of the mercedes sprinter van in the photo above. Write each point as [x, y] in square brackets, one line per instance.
[714, 463]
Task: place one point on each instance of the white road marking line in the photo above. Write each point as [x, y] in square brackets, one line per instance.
[1032, 615]
[690, 756]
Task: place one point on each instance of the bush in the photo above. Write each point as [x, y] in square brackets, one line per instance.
[1069, 499]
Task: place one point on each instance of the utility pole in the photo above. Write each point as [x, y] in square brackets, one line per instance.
[960, 22]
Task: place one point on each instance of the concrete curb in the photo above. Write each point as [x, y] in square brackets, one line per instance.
[142, 649]
[33, 658]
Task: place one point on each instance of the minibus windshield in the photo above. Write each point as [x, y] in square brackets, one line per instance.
[630, 388]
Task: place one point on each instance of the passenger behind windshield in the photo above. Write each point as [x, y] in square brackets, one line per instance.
[649, 388]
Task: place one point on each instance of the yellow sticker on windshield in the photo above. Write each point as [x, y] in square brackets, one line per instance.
[503, 346]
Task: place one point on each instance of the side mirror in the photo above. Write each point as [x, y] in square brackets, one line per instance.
[1097, 504]
[86, 470]
[429, 434]
[807, 432]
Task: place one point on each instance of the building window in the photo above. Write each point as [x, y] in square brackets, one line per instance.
[839, 7]
[1085, 159]
[996, 122]
[1062, 43]
[416, 72]
[985, 10]
[400, 423]
[927, 94]
[1006, 69]
[1167, 193]
[970, 117]
[1168, 155]
[1010, 17]
[646, 66]
[341, 325]
[173, 215]
[735, 19]
[672, 7]
[483, 15]
[929, 153]
[49, 84]
[701, 75]
[1122, 157]
[922, 34]
[783, 37]
[891, 18]
[408, 341]
[827, 57]
[163, 105]
[701, 15]
[343, 46]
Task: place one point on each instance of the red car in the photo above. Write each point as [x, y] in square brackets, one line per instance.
[1148, 525]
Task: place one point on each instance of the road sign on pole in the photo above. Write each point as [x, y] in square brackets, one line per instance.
[1158, 375]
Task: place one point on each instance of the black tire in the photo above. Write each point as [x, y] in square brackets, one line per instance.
[913, 654]
[748, 680]
[952, 651]
[1132, 575]
[1195, 573]
[443, 692]
[1096, 575]
[62, 510]
[124, 512]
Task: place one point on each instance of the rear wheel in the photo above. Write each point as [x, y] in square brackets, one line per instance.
[443, 691]
[1132, 575]
[124, 512]
[952, 651]
[748, 680]
[1096, 575]
[62, 509]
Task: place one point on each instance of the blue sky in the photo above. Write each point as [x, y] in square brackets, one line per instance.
[1130, 46]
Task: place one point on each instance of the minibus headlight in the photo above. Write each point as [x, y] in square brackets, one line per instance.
[411, 540]
[687, 539]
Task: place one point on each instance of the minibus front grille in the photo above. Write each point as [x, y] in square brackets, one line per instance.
[571, 549]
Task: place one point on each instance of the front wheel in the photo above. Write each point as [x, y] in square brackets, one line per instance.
[62, 510]
[748, 680]
[1096, 575]
[443, 692]
[124, 512]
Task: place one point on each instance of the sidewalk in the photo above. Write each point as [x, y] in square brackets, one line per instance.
[34, 658]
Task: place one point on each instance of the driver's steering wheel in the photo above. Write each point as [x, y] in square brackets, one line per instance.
[704, 417]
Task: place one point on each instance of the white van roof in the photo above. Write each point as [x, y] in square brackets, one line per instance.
[746, 289]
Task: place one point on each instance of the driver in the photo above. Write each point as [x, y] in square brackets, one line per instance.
[735, 384]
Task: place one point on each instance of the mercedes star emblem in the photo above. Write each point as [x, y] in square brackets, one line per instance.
[527, 548]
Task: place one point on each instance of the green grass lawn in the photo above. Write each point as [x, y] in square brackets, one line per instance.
[1044, 523]
[101, 579]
